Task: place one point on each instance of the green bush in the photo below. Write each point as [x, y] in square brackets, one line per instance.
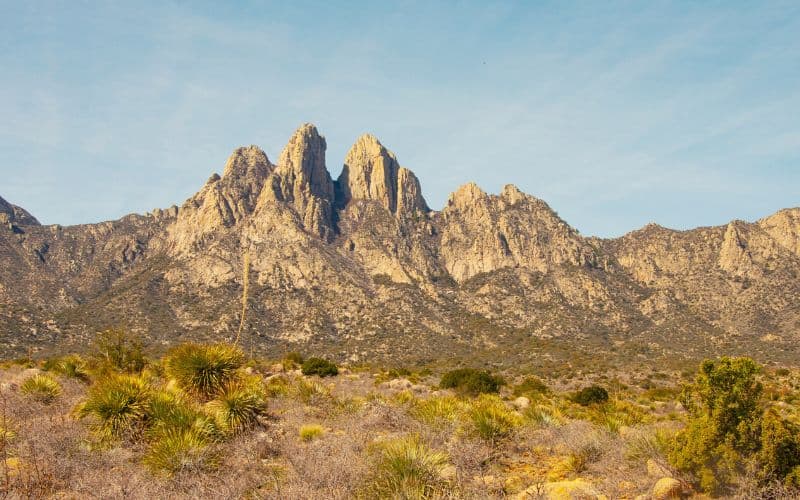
[731, 431]
[41, 387]
[594, 394]
[118, 349]
[203, 370]
[319, 366]
[293, 359]
[471, 381]
[531, 386]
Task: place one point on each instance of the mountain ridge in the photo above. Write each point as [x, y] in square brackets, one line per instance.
[360, 266]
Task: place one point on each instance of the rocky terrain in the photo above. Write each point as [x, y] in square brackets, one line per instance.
[361, 268]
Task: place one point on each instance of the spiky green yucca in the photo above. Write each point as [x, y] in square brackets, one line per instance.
[179, 449]
[72, 366]
[119, 404]
[41, 387]
[170, 410]
[238, 405]
[407, 468]
[203, 370]
[491, 419]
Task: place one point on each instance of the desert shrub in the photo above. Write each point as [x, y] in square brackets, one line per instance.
[407, 468]
[471, 381]
[779, 456]
[41, 387]
[531, 387]
[177, 449]
[203, 370]
[730, 431]
[594, 394]
[491, 420]
[72, 366]
[277, 386]
[309, 432]
[319, 366]
[642, 444]
[292, 360]
[544, 415]
[7, 433]
[118, 404]
[437, 411]
[238, 405]
[119, 350]
[309, 391]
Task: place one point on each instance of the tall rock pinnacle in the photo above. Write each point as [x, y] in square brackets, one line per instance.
[371, 172]
[302, 179]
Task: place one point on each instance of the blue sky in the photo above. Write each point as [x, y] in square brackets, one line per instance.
[616, 114]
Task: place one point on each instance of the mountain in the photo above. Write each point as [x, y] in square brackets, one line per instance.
[361, 268]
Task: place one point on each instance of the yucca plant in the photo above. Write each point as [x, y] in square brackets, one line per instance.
[238, 405]
[41, 387]
[407, 468]
[203, 370]
[73, 366]
[491, 419]
[118, 404]
[438, 411]
[171, 410]
[173, 450]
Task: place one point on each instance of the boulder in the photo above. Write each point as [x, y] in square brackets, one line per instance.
[666, 488]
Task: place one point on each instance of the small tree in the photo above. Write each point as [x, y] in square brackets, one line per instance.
[471, 381]
[729, 428]
[120, 350]
[319, 366]
[594, 394]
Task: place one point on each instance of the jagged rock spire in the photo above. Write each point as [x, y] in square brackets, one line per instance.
[371, 172]
[302, 179]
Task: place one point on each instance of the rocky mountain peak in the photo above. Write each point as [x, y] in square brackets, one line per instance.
[302, 162]
[784, 228]
[372, 172]
[12, 214]
[250, 163]
[302, 180]
[465, 196]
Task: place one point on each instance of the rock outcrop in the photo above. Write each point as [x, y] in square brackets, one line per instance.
[14, 215]
[302, 180]
[483, 233]
[371, 172]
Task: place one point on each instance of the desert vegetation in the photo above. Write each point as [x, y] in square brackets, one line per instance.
[206, 420]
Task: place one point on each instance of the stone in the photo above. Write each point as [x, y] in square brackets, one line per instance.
[576, 489]
[666, 488]
[521, 403]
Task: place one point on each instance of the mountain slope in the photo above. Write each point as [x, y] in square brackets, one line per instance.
[361, 268]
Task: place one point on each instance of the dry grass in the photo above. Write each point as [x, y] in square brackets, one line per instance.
[345, 438]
